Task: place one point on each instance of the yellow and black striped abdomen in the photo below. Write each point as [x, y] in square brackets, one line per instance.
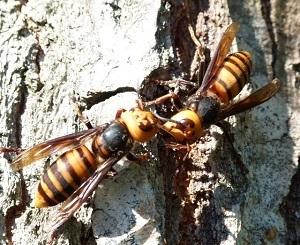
[64, 176]
[232, 76]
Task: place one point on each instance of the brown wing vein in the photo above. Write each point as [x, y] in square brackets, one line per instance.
[80, 196]
[60, 144]
[218, 57]
[258, 97]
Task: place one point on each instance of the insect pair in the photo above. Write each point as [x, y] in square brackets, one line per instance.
[87, 157]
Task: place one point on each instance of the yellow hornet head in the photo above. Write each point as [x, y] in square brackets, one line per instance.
[142, 125]
[188, 129]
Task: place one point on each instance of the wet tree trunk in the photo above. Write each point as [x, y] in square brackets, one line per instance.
[240, 189]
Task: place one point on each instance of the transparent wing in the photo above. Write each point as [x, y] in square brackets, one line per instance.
[218, 57]
[80, 196]
[258, 97]
[53, 146]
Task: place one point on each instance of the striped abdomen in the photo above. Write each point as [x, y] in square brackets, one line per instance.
[233, 75]
[64, 176]
[75, 166]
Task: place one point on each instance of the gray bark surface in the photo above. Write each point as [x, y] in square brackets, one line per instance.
[240, 192]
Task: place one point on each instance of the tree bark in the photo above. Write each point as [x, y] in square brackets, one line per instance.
[240, 186]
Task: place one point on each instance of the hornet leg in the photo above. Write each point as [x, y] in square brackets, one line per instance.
[80, 115]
